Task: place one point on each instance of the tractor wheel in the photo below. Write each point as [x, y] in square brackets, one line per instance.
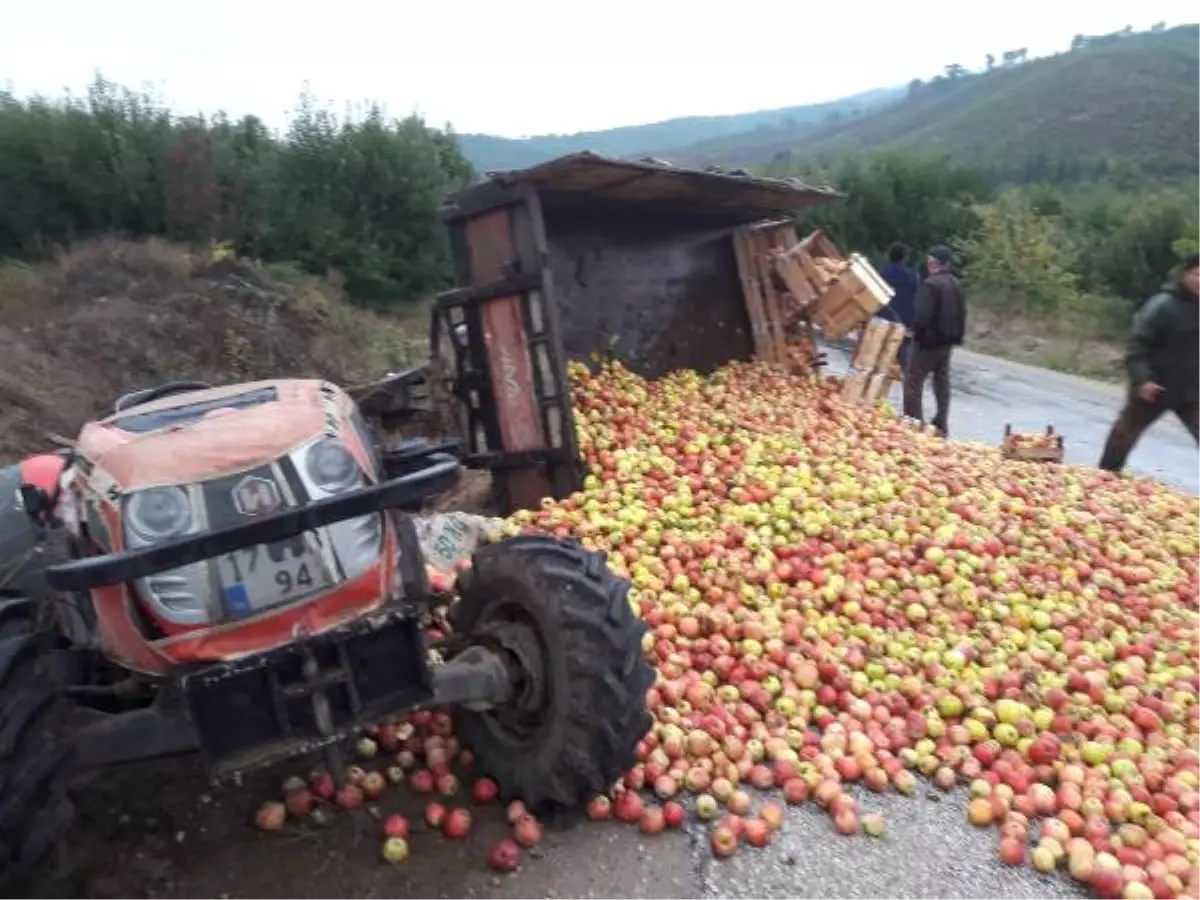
[35, 812]
[562, 619]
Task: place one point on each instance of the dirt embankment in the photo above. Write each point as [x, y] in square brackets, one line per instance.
[113, 316]
[1037, 344]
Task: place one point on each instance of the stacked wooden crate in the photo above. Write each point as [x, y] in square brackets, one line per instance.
[793, 287]
[836, 294]
[808, 267]
[782, 334]
[873, 368]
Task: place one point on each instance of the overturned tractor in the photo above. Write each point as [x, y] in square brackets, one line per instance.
[234, 571]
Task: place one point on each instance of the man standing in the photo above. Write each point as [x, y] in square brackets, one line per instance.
[903, 281]
[1162, 363]
[938, 326]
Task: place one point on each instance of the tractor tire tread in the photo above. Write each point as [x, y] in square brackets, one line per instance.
[36, 815]
[597, 674]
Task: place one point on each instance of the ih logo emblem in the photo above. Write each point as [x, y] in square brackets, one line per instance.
[256, 496]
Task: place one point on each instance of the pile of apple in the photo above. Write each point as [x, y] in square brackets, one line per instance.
[835, 597]
[422, 752]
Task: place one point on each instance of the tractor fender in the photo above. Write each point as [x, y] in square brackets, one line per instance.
[43, 471]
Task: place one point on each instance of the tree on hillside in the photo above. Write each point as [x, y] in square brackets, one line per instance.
[191, 188]
[1079, 42]
[914, 86]
[991, 61]
[1130, 240]
[1158, 27]
[358, 194]
[456, 166]
[921, 199]
[248, 170]
[955, 70]
[1019, 260]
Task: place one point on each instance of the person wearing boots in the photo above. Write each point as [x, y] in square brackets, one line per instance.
[939, 325]
[1162, 364]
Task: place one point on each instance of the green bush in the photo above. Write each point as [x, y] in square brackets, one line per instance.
[1023, 260]
[1131, 240]
[357, 195]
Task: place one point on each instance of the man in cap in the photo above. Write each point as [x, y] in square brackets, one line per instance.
[1162, 364]
[938, 326]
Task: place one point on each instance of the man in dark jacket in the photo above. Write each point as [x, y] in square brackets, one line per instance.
[1164, 375]
[904, 282]
[938, 326]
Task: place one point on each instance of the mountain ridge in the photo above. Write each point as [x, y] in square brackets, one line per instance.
[491, 152]
[1128, 102]
[1111, 102]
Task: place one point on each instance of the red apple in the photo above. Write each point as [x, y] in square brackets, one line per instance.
[457, 824]
[504, 855]
[395, 825]
[270, 816]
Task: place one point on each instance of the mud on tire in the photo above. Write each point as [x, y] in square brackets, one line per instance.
[582, 732]
[35, 812]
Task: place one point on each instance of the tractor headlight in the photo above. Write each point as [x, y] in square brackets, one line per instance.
[330, 467]
[327, 469]
[158, 513]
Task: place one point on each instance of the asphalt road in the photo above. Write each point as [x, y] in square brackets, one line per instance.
[990, 392]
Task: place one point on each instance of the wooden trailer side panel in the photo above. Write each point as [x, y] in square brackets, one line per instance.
[520, 413]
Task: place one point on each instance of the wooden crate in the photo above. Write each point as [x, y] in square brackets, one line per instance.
[854, 386]
[781, 334]
[1046, 447]
[870, 342]
[856, 295]
[878, 386]
[799, 287]
[873, 367]
[763, 306]
[866, 386]
[891, 347]
[878, 346]
[808, 267]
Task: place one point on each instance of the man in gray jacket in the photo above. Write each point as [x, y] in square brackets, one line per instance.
[938, 326]
[1162, 359]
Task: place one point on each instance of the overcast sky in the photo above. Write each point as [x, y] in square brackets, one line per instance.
[521, 67]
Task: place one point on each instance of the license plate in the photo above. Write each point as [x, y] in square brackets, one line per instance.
[264, 576]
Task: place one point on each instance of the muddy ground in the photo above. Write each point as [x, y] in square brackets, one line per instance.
[159, 830]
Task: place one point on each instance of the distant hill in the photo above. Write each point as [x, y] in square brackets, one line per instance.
[487, 152]
[1122, 100]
